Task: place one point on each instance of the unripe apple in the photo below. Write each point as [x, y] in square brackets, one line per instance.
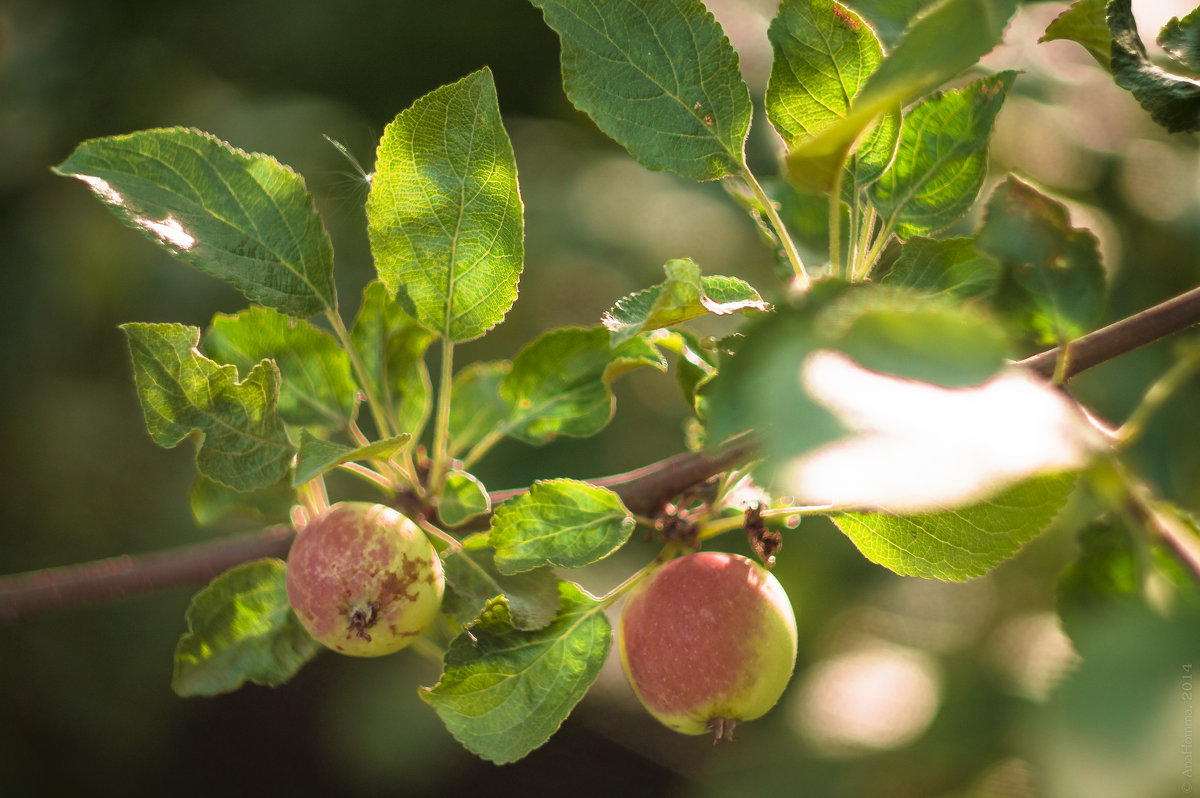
[708, 640]
[364, 580]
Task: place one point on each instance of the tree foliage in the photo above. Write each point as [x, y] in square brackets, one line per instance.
[878, 387]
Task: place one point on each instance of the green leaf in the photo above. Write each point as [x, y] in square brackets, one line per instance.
[695, 366]
[316, 389]
[657, 76]
[560, 383]
[505, 691]
[963, 543]
[873, 156]
[392, 347]
[212, 502]
[1107, 575]
[560, 522]
[942, 158]
[242, 442]
[1053, 282]
[823, 55]
[1086, 24]
[476, 408]
[1172, 100]
[247, 219]
[943, 265]
[885, 400]
[444, 214]
[1181, 38]
[317, 456]
[472, 580]
[463, 498]
[684, 296]
[925, 58]
[241, 628]
[912, 339]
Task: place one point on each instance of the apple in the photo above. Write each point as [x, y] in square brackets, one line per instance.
[364, 580]
[708, 640]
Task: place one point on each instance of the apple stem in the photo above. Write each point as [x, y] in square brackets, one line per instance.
[722, 729]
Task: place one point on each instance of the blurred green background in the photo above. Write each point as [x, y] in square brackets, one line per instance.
[903, 687]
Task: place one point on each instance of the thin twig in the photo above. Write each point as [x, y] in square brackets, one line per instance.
[643, 491]
[125, 576]
[1121, 337]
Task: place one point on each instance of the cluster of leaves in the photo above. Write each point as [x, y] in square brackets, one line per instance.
[887, 404]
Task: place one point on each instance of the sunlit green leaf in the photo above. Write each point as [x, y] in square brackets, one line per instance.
[942, 158]
[1181, 38]
[247, 219]
[1053, 284]
[505, 691]
[241, 628]
[241, 440]
[1086, 24]
[316, 388]
[823, 55]
[925, 58]
[560, 522]
[684, 296]
[316, 456]
[943, 265]
[1172, 100]
[463, 497]
[560, 383]
[472, 580]
[444, 213]
[476, 407]
[392, 347]
[659, 77]
[962, 543]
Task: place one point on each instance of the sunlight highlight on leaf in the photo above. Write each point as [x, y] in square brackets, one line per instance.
[169, 230]
[242, 217]
[916, 447]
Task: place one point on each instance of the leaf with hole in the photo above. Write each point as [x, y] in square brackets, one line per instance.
[246, 219]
